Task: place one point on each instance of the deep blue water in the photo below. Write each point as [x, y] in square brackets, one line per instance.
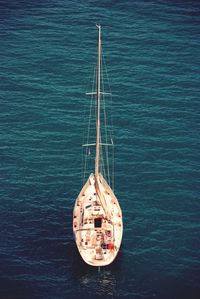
[152, 51]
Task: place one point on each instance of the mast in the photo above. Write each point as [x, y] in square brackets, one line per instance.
[98, 104]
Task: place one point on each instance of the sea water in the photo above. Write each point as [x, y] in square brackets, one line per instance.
[152, 51]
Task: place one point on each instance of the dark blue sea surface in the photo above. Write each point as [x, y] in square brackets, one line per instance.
[152, 50]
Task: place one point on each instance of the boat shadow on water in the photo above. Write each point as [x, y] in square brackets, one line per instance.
[94, 281]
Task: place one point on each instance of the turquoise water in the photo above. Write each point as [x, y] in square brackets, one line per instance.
[48, 49]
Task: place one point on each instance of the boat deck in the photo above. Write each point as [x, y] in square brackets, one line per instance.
[97, 223]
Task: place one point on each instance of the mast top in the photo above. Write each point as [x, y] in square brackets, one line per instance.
[98, 26]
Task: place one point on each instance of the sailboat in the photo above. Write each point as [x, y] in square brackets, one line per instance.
[97, 216]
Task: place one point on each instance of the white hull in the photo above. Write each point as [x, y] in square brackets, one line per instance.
[97, 222]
